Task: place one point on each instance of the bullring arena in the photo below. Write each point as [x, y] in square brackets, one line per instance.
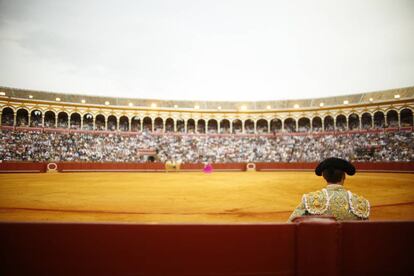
[187, 197]
[228, 194]
[83, 159]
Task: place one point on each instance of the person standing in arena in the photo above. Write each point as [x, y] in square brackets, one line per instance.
[333, 200]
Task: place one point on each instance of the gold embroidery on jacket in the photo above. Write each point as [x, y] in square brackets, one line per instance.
[359, 205]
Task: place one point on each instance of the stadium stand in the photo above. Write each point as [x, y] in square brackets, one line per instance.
[57, 146]
[53, 127]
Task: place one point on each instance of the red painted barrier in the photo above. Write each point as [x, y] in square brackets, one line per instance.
[130, 249]
[368, 166]
[285, 166]
[309, 247]
[377, 248]
[389, 166]
[22, 167]
[87, 166]
[78, 166]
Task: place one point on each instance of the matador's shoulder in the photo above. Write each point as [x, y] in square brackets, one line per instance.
[316, 203]
[359, 205]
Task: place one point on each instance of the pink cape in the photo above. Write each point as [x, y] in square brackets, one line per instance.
[208, 168]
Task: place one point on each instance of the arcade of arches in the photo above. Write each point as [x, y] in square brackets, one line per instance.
[87, 121]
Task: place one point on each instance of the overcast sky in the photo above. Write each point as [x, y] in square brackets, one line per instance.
[207, 50]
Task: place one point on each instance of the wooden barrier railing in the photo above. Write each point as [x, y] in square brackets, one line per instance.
[311, 247]
[89, 166]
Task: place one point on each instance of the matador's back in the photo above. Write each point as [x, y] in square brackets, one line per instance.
[335, 201]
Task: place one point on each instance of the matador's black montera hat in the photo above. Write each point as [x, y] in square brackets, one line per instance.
[335, 164]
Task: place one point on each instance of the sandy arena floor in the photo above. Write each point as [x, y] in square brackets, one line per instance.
[226, 197]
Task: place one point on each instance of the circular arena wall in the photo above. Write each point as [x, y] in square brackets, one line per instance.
[381, 109]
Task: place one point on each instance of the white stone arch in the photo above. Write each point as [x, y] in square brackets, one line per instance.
[389, 119]
[401, 108]
[381, 122]
[212, 129]
[290, 127]
[88, 123]
[199, 125]
[221, 127]
[9, 120]
[21, 121]
[191, 128]
[47, 123]
[236, 128]
[407, 121]
[364, 124]
[249, 129]
[325, 123]
[98, 123]
[122, 125]
[112, 125]
[32, 114]
[8, 106]
[147, 122]
[267, 125]
[61, 123]
[36, 107]
[315, 126]
[167, 126]
[160, 127]
[72, 123]
[350, 123]
[135, 122]
[300, 128]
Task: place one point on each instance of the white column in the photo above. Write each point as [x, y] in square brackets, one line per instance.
[399, 119]
[412, 116]
[372, 121]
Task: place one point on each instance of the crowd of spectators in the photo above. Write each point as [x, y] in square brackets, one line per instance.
[37, 145]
